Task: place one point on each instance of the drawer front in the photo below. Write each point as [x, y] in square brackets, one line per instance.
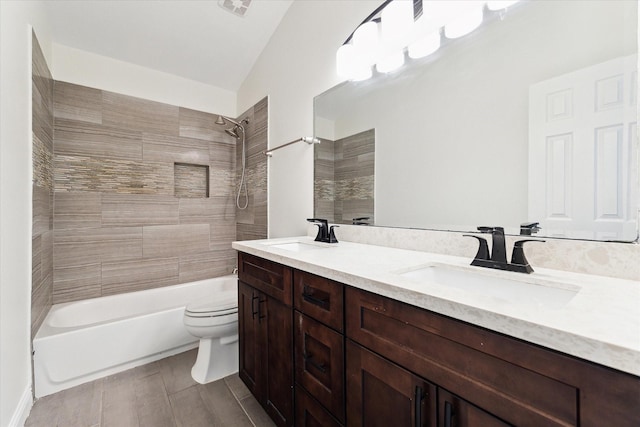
[320, 298]
[450, 354]
[309, 413]
[267, 276]
[319, 359]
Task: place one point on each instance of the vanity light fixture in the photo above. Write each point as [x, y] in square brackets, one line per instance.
[414, 26]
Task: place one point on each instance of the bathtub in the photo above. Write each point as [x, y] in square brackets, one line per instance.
[85, 340]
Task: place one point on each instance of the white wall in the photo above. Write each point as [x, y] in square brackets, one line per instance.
[298, 64]
[100, 72]
[17, 17]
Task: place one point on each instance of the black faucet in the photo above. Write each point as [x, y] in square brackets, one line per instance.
[498, 257]
[363, 220]
[325, 234]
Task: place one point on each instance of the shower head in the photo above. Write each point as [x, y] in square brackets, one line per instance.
[222, 120]
[233, 131]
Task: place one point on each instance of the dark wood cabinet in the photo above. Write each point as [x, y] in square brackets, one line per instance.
[358, 358]
[515, 381]
[265, 332]
[319, 343]
[454, 411]
[309, 413]
[381, 393]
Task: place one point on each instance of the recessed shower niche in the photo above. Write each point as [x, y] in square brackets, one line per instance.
[191, 181]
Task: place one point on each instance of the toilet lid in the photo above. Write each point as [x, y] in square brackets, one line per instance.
[219, 307]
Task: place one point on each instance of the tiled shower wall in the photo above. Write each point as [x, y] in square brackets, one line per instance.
[252, 221]
[131, 205]
[42, 186]
[343, 178]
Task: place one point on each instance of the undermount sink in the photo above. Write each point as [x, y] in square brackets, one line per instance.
[296, 246]
[520, 290]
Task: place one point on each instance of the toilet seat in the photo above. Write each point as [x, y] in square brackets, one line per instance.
[212, 308]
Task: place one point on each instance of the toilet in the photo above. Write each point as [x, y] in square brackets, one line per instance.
[215, 323]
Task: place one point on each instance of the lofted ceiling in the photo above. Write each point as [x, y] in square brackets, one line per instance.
[197, 40]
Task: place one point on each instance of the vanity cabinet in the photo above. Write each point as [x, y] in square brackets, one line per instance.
[316, 352]
[319, 347]
[381, 393]
[265, 334]
[482, 375]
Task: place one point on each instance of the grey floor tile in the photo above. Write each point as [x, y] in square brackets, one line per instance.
[190, 410]
[81, 405]
[140, 397]
[255, 412]
[223, 405]
[119, 400]
[176, 371]
[152, 402]
[237, 387]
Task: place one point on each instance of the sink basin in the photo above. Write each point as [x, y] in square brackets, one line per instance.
[296, 246]
[520, 290]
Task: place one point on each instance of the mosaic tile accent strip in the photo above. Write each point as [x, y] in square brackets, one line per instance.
[80, 173]
[191, 181]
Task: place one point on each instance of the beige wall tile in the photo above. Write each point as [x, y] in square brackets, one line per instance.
[211, 264]
[167, 148]
[175, 240]
[74, 210]
[77, 282]
[141, 115]
[137, 275]
[127, 210]
[86, 246]
[75, 138]
[209, 210]
[75, 102]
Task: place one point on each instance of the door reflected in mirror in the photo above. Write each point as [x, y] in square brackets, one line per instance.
[530, 118]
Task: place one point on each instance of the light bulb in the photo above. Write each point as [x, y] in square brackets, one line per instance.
[468, 18]
[344, 61]
[397, 20]
[365, 42]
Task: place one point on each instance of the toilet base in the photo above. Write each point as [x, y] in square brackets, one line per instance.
[217, 358]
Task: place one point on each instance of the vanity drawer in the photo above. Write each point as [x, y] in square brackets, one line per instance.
[320, 298]
[267, 276]
[309, 413]
[319, 362]
[491, 371]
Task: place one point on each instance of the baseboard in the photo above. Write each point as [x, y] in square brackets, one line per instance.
[22, 411]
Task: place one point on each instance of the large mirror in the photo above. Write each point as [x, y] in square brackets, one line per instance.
[530, 118]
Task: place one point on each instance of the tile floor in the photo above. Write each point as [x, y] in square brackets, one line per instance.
[158, 394]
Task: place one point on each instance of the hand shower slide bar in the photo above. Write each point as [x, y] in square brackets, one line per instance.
[308, 139]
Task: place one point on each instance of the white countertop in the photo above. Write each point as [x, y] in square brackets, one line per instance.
[600, 323]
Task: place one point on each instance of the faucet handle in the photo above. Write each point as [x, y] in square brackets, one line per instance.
[517, 256]
[483, 248]
[323, 229]
[527, 228]
[332, 235]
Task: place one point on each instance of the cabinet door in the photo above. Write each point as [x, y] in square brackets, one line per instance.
[309, 413]
[276, 319]
[319, 354]
[380, 393]
[250, 339]
[457, 412]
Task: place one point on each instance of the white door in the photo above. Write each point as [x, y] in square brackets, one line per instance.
[583, 152]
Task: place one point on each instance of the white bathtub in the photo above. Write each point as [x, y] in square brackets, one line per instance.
[85, 340]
